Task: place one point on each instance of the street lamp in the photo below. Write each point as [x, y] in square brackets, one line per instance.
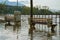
[17, 3]
[31, 5]
[31, 16]
[17, 6]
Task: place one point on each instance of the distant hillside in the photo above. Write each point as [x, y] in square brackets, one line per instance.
[8, 9]
[12, 3]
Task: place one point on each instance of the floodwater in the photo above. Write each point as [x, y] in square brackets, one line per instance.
[22, 34]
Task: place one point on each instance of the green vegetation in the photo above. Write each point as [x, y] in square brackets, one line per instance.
[7, 9]
[2, 8]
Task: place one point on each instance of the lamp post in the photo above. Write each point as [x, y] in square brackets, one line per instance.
[31, 5]
[17, 4]
[31, 16]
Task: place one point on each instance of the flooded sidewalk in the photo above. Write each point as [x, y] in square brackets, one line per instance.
[22, 34]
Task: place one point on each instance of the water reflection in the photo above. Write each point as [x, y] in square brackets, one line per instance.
[21, 33]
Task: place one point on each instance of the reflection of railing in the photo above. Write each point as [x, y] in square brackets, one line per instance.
[9, 18]
[48, 20]
[15, 18]
[45, 21]
[41, 20]
[2, 21]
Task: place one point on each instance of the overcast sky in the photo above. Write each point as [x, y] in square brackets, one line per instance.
[53, 4]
